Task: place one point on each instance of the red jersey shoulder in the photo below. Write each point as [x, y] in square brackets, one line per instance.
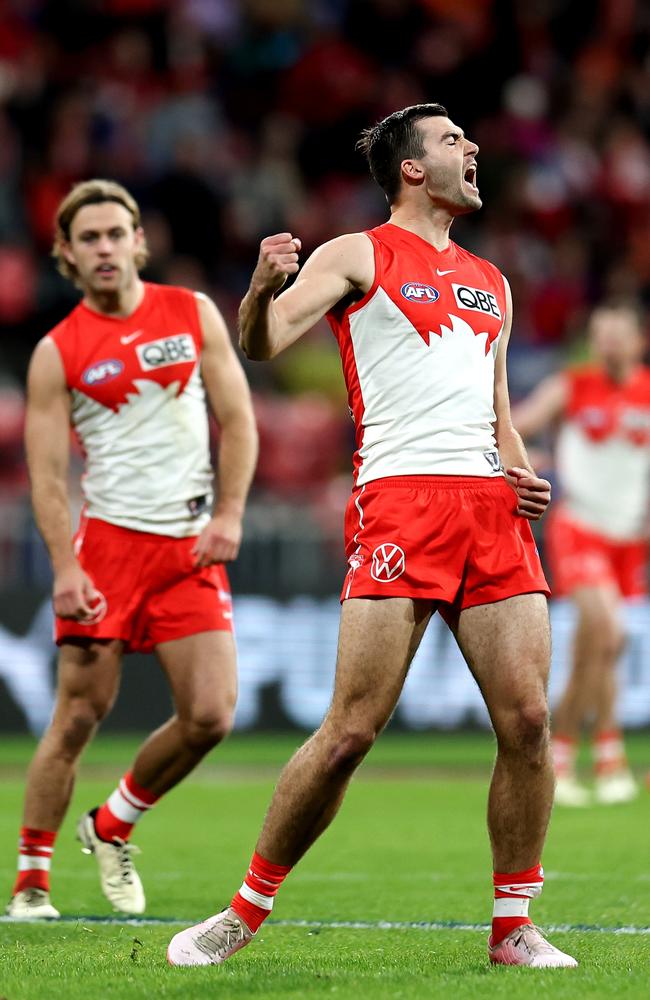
[179, 304]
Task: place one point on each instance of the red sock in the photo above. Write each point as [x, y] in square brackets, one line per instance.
[35, 849]
[564, 755]
[123, 809]
[254, 901]
[609, 752]
[512, 894]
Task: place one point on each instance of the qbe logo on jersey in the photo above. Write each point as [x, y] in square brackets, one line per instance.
[476, 299]
[388, 562]
[166, 351]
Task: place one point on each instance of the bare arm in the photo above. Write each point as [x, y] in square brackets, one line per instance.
[534, 493]
[230, 401]
[267, 325]
[545, 404]
[47, 442]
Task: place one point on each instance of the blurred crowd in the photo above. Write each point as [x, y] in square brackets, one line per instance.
[233, 119]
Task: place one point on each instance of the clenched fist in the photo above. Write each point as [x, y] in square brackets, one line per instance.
[277, 260]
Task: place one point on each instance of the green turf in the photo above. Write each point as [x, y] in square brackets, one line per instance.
[409, 845]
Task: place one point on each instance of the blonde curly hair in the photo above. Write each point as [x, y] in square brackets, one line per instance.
[93, 192]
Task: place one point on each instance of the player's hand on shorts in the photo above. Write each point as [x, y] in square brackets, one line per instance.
[74, 594]
[219, 541]
[277, 260]
[533, 493]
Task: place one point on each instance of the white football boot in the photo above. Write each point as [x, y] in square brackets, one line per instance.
[569, 792]
[620, 786]
[526, 946]
[211, 942]
[31, 904]
[119, 880]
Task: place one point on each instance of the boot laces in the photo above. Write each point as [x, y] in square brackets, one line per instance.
[220, 936]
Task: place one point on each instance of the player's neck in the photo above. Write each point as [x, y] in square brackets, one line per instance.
[432, 226]
[622, 372]
[119, 302]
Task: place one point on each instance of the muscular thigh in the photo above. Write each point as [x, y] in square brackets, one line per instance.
[507, 646]
[377, 641]
[202, 671]
[89, 670]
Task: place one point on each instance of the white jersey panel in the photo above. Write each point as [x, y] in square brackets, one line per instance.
[149, 459]
[604, 483]
[427, 409]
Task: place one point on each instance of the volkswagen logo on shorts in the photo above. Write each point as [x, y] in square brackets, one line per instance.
[416, 291]
[99, 606]
[388, 562]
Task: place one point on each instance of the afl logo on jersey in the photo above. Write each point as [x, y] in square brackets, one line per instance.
[415, 291]
[102, 371]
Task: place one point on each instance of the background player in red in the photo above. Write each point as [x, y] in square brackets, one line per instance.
[596, 537]
[130, 368]
[432, 523]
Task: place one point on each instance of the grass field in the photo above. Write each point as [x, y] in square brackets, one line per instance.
[389, 904]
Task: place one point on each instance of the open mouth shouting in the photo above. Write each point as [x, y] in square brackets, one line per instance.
[469, 177]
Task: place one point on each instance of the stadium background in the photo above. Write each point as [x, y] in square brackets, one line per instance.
[232, 120]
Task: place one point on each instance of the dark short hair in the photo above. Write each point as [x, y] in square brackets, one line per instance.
[393, 140]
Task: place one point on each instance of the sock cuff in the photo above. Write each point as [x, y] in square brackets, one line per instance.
[267, 870]
[42, 838]
[519, 882]
[534, 874]
[132, 788]
[569, 741]
[607, 735]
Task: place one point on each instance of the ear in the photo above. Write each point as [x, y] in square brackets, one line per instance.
[139, 237]
[67, 252]
[412, 172]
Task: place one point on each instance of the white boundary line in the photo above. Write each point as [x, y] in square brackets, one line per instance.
[355, 925]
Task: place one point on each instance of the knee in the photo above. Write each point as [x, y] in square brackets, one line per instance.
[527, 730]
[204, 730]
[347, 748]
[75, 724]
[613, 641]
[604, 631]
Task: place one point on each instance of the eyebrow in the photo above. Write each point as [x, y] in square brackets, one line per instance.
[98, 232]
[456, 133]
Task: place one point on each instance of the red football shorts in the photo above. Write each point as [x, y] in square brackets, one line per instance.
[150, 590]
[581, 557]
[450, 539]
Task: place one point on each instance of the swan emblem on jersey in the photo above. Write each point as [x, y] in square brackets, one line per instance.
[457, 335]
[388, 562]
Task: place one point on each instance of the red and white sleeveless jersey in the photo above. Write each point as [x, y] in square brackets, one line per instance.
[603, 451]
[418, 355]
[138, 407]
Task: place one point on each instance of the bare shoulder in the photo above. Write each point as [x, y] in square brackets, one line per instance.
[46, 365]
[213, 325]
[206, 306]
[350, 256]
